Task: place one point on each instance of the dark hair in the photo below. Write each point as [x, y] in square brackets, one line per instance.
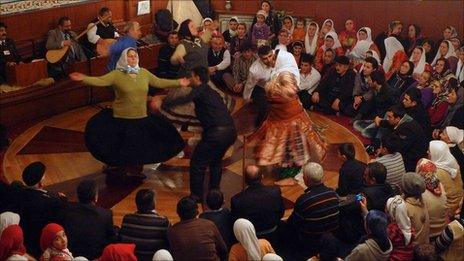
[187, 208]
[377, 171]
[201, 72]
[244, 25]
[397, 110]
[363, 30]
[425, 252]
[268, 2]
[411, 67]
[414, 94]
[103, 11]
[283, 30]
[453, 85]
[376, 222]
[246, 46]
[329, 36]
[233, 19]
[3, 25]
[372, 61]
[391, 142]
[215, 199]
[264, 50]
[144, 199]
[174, 33]
[446, 64]
[306, 58]
[347, 150]
[87, 191]
[63, 19]
[184, 31]
[331, 50]
[378, 76]
[416, 28]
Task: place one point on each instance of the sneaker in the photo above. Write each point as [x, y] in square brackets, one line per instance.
[370, 149]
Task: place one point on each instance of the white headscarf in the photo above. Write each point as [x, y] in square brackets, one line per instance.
[420, 67]
[245, 233]
[233, 33]
[311, 47]
[162, 255]
[206, 19]
[455, 135]
[272, 257]
[333, 25]
[392, 46]
[441, 156]
[285, 62]
[362, 46]
[397, 210]
[7, 219]
[451, 52]
[460, 70]
[337, 43]
[122, 64]
[293, 24]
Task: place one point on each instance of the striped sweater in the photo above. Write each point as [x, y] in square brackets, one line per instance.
[395, 168]
[316, 211]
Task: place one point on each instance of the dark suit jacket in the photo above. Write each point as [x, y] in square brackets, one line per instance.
[223, 221]
[89, 229]
[350, 179]
[261, 205]
[37, 208]
[55, 38]
[8, 53]
[334, 81]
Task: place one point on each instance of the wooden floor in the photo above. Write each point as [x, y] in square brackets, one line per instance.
[58, 142]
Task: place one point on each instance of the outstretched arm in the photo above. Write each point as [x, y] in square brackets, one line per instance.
[104, 80]
[166, 83]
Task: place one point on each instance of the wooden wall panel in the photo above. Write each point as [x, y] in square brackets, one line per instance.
[432, 16]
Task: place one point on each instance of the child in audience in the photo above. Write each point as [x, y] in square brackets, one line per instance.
[260, 33]
[54, 243]
[299, 32]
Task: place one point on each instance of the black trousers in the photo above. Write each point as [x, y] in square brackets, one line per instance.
[208, 153]
[260, 103]
[305, 99]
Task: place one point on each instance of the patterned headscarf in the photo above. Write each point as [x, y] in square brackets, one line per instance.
[427, 170]
[122, 64]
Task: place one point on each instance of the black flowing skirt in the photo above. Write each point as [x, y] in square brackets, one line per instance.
[128, 142]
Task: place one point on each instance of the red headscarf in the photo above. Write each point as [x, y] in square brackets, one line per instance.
[118, 252]
[48, 235]
[12, 242]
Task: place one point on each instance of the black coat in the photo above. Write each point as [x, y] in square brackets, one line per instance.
[458, 119]
[223, 221]
[381, 101]
[344, 83]
[89, 229]
[261, 205]
[350, 179]
[377, 196]
[419, 114]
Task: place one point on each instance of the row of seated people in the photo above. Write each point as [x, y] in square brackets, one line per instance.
[378, 212]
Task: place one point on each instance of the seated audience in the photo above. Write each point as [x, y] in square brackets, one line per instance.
[7, 219]
[101, 28]
[316, 211]
[162, 255]
[131, 34]
[460, 66]
[434, 197]
[9, 55]
[312, 40]
[399, 230]
[328, 62]
[439, 108]
[165, 68]
[90, 228]
[12, 245]
[350, 178]
[362, 91]
[118, 252]
[299, 32]
[448, 173]
[195, 238]
[54, 243]
[241, 66]
[60, 37]
[348, 36]
[238, 40]
[402, 78]
[394, 29]
[394, 56]
[449, 244]
[442, 73]
[231, 30]
[288, 24]
[309, 79]
[420, 65]
[425, 252]
[249, 247]
[376, 190]
[423, 84]
[330, 42]
[261, 205]
[363, 44]
[455, 114]
[219, 62]
[145, 228]
[219, 215]
[260, 32]
[446, 51]
[413, 107]
[388, 154]
[454, 137]
[376, 245]
[37, 206]
[283, 39]
[413, 40]
[296, 48]
[413, 188]
[334, 92]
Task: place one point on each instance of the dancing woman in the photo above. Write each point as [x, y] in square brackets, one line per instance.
[126, 137]
[287, 137]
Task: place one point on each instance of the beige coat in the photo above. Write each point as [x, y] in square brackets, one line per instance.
[417, 212]
[437, 209]
[369, 250]
[453, 189]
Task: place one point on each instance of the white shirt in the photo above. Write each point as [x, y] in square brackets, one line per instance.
[259, 75]
[92, 35]
[310, 81]
[281, 47]
[225, 61]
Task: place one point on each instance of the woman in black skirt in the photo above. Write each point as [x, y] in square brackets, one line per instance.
[126, 137]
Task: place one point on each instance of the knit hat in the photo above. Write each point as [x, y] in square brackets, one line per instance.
[413, 184]
[342, 60]
[48, 235]
[262, 12]
[33, 173]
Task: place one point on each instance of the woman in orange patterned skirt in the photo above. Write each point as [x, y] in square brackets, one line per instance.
[287, 137]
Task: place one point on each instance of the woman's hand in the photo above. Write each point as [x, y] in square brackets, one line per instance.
[75, 76]
[184, 82]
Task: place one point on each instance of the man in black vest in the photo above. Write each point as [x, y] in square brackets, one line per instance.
[9, 56]
[219, 61]
[99, 33]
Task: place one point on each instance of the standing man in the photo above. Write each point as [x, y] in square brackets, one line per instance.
[132, 31]
[218, 135]
[9, 56]
[98, 33]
